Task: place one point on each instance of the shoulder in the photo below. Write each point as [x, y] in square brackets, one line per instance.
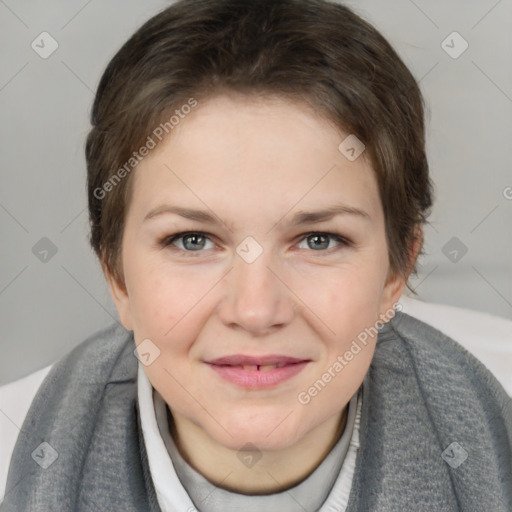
[103, 345]
[485, 336]
[445, 373]
[15, 400]
[89, 356]
[428, 405]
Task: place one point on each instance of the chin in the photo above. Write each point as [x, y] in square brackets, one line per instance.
[267, 433]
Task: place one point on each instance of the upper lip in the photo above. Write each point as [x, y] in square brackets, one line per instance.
[243, 360]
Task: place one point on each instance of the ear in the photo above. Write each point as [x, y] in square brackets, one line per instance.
[414, 250]
[120, 296]
[396, 281]
[395, 284]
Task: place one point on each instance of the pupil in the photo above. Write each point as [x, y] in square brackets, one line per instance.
[316, 238]
[195, 245]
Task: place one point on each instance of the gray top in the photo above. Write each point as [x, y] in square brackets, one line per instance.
[307, 496]
[435, 431]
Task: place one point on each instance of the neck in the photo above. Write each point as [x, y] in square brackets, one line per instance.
[273, 472]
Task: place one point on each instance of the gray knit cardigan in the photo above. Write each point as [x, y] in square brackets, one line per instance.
[436, 431]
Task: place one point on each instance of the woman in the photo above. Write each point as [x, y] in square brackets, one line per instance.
[257, 188]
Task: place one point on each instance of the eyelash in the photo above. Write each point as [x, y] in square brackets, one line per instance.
[168, 241]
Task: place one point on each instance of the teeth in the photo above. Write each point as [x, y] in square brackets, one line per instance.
[261, 368]
[267, 367]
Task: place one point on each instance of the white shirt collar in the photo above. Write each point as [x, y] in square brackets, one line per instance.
[170, 493]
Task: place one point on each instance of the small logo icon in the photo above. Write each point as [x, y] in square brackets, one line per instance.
[44, 250]
[454, 249]
[454, 45]
[351, 148]
[146, 352]
[507, 193]
[249, 455]
[454, 455]
[45, 455]
[249, 249]
[44, 45]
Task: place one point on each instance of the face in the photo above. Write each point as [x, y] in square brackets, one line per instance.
[254, 254]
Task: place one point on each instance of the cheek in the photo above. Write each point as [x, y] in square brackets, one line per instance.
[352, 293]
[351, 310]
[161, 296]
[168, 307]
[153, 302]
[350, 307]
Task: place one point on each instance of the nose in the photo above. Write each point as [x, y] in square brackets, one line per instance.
[257, 298]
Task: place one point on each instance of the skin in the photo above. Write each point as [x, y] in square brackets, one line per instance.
[254, 163]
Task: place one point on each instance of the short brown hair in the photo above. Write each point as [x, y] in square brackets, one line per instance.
[311, 50]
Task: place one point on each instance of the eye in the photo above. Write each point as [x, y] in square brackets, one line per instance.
[319, 241]
[190, 241]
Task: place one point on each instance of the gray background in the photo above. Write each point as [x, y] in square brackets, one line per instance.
[51, 302]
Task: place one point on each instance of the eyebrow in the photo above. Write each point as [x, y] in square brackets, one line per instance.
[300, 218]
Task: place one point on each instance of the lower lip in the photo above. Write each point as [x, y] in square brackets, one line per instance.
[257, 379]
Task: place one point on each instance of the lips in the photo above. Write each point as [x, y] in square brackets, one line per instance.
[257, 371]
[256, 362]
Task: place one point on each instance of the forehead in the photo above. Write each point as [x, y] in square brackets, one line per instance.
[254, 153]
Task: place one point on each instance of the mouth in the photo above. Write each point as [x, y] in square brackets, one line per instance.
[257, 372]
[257, 367]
